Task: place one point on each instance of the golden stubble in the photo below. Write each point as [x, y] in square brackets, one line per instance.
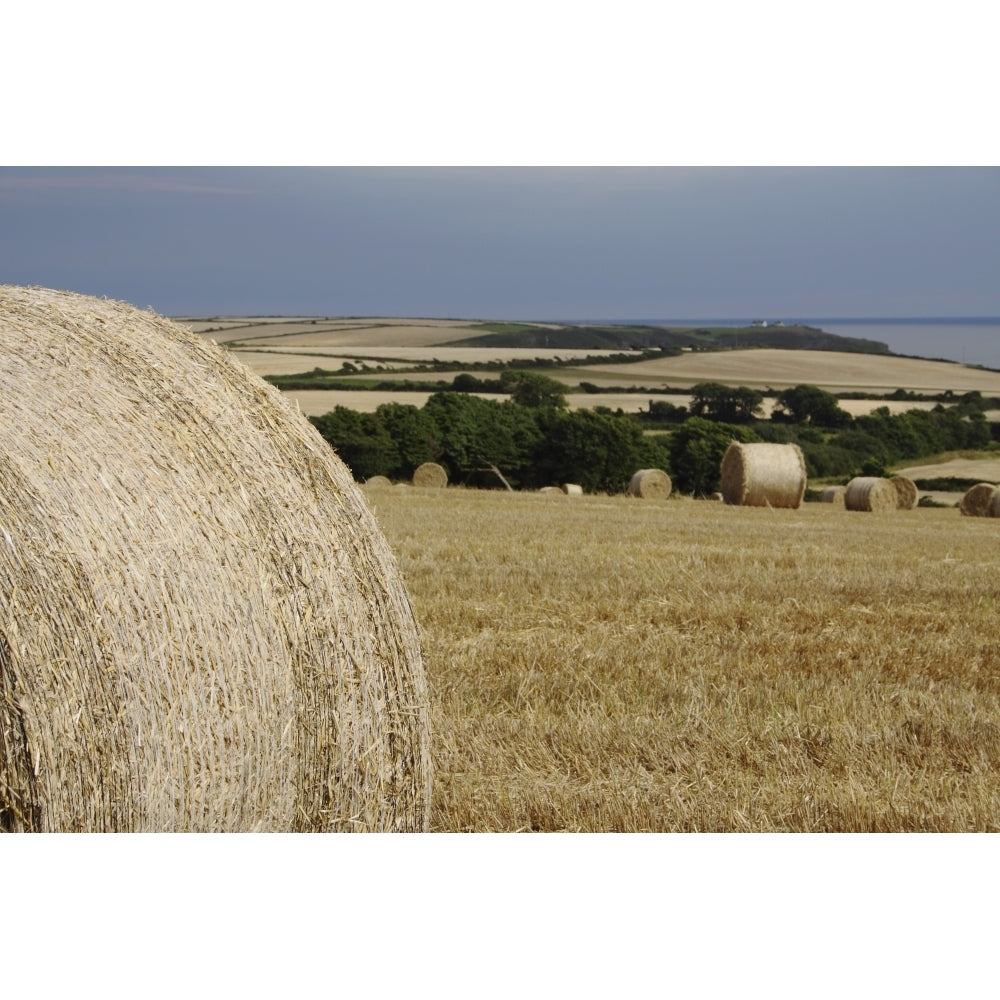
[614, 664]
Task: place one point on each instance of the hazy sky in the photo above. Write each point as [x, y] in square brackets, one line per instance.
[519, 243]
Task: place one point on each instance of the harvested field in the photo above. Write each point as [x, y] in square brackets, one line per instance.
[607, 665]
[985, 469]
[337, 332]
[830, 370]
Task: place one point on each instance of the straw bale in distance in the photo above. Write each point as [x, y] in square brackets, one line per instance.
[378, 483]
[871, 493]
[572, 489]
[201, 626]
[431, 475]
[906, 492]
[650, 484]
[763, 475]
[994, 507]
[977, 500]
[552, 489]
[834, 495]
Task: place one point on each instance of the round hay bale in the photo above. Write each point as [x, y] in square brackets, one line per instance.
[572, 490]
[430, 475]
[834, 495]
[650, 484]
[763, 475]
[870, 493]
[552, 489]
[977, 500]
[201, 626]
[378, 483]
[717, 497]
[994, 508]
[906, 492]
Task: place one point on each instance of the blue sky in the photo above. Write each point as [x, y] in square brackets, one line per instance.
[512, 242]
[866, 222]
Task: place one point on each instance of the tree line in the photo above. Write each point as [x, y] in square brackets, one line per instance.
[535, 440]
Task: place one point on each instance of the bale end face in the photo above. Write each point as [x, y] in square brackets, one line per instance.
[650, 484]
[833, 495]
[874, 494]
[906, 492]
[430, 475]
[763, 475]
[978, 500]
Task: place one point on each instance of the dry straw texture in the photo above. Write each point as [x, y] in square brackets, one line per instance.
[906, 492]
[378, 483]
[650, 484]
[834, 495]
[201, 626]
[431, 475]
[978, 500]
[572, 490]
[763, 475]
[871, 493]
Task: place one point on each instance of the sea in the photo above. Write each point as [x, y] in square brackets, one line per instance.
[972, 340]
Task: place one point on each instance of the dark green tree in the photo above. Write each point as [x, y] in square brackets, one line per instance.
[696, 450]
[475, 433]
[810, 404]
[599, 451]
[415, 434]
[534, 390]
[360, 440]
[732, 404]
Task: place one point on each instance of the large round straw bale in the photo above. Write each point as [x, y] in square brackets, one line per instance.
[572, 489]
[994, 508]
[906, 492]
[977, 500]
[552, 489]
[763, 475]
[201, 626]
[833, 495]
[431, 475]
[870, 493]
[650, 484]
[378, 483]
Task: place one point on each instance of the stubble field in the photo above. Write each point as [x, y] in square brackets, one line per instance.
[286, 345]
[614, 664]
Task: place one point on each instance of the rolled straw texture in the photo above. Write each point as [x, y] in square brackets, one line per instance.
[834, 495]
[994, 507]
[978, 500]
[870, 493]
[572, 489]
[201, 626]
[378, 483]
[906, 492]
[763, 475]
[650, 484]
[430, 474]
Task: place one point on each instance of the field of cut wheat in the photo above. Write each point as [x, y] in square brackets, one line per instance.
[604, 663]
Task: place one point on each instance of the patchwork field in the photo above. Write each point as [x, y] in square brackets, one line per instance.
[277, 343]
[613, 664]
